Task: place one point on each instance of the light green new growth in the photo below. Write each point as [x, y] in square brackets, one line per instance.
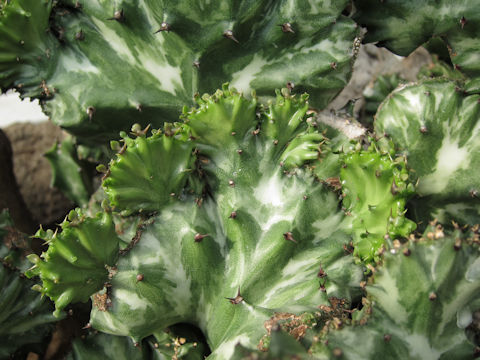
[79, 260]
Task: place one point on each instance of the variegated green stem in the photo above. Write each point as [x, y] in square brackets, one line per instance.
[419, 302]
[436, 117]
[403, 25]
[102, 67]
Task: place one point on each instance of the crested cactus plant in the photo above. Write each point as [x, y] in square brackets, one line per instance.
[248, 218]
[234, 224]
[98, 68]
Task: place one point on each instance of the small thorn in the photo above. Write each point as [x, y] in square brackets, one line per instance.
[394, 188]
[196, 63]
[275, 142]
[237, 299]
[80, 36]
[78, 5]
[136, 344]
[88, 326]
[290, 85]
[199, 237]
[119, 16]
[423, 129]
[463, 21]
[387, 338]
[229, 35]
[321, 273]
[231, 183]
[239, 151]
[139, 107]
[140, 277]
[289, 237]
[474, 193]
[256, 132]
[233, 133]
[333, 65]
[90, 112]
[163, 27]
[407, 252]
[457, 67]
[432, 296]
[287, 27]
[348, 248]
[233, 215]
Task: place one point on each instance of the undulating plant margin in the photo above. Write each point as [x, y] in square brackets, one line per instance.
[452, 204]
[276, 145]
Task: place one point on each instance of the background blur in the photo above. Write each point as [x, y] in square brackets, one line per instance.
[12, 109]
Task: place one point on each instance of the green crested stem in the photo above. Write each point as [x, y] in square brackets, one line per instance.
[375, 189]
[152, 173]
[79, 260]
